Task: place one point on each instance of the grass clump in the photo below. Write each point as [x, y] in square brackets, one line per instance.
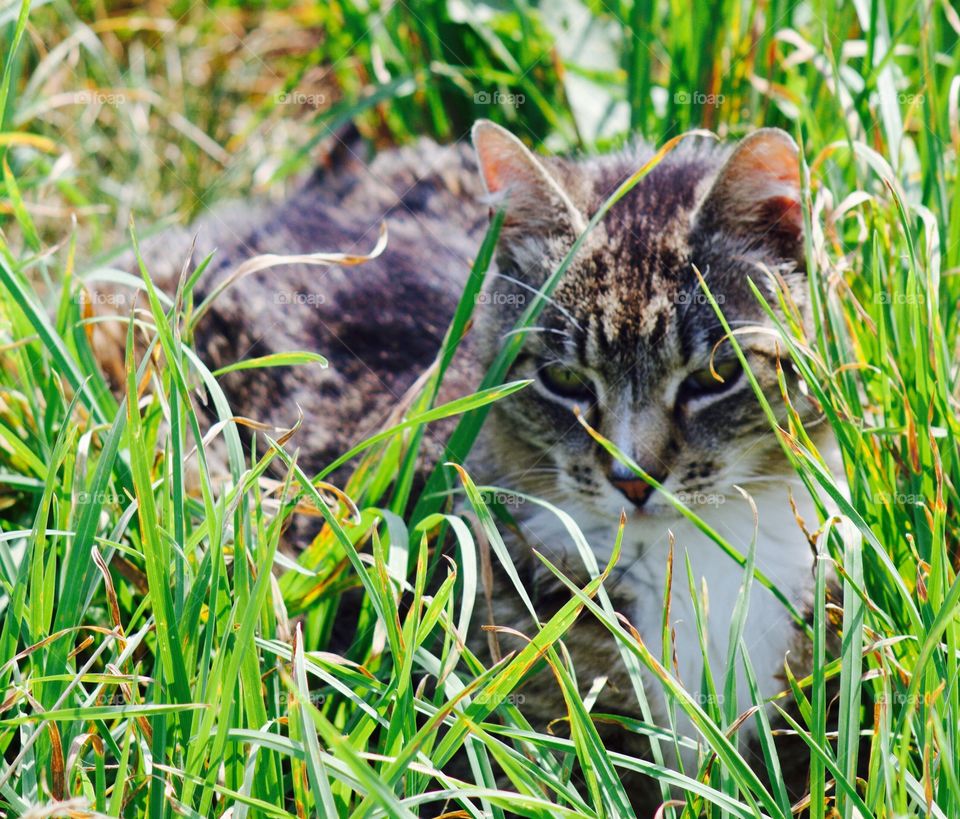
[160, 654]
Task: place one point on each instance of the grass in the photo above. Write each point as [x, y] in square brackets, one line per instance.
[152, 664]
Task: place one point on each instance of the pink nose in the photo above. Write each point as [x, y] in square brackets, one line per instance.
[636, 490]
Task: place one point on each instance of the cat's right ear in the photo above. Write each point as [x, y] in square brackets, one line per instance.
[756, 195]
[511, 173]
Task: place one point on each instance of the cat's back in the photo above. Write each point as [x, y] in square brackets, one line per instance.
[379, 324]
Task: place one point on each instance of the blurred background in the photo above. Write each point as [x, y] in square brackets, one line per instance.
[157, 109]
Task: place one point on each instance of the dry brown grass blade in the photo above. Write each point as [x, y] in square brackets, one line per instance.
[57, 767]
[284, 433]
[268, 260]
[338, 496]
[50, 638]
[111, 591]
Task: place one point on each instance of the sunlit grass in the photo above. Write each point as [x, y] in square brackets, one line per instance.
[153, 664]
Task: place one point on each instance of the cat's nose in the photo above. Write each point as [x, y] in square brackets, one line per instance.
[635, 489]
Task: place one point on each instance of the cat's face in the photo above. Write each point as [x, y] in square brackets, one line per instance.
[629, 334]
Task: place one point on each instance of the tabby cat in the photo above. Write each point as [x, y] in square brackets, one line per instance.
[629, 337]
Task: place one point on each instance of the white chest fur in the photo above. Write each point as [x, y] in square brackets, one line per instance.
[782, 555]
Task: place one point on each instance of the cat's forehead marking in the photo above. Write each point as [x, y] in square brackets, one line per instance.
[638, 299]
[624, 320]
[625, 288]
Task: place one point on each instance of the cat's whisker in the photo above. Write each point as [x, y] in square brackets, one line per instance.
[562, 333]
[530, 288]
[524, 482]
[549, 362]
[519, 473]
[540, 486]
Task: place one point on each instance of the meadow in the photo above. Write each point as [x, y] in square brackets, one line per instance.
[161, 655]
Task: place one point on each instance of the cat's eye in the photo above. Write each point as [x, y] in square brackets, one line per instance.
[705, 381]
[566, 382]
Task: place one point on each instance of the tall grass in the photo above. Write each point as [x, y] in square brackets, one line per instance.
[161, 655]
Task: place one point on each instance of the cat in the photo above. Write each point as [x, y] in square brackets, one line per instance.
[628, 337]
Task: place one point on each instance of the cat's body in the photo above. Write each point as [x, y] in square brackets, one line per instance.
[379, 325]
[627, 337]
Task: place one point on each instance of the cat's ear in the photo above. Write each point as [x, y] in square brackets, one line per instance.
[756, 195]
[511, 173]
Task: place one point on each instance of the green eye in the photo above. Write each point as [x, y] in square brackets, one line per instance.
[704, 382]
[566, 382]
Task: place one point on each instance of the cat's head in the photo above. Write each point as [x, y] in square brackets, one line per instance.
[629, 333]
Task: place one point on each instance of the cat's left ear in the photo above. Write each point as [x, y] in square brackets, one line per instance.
[535, 201]
[756, 195]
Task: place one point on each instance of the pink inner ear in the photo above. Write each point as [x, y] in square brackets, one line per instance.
[495, 163]
[764, 184]
[773, 164]
[784, 216]
[503, 161]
